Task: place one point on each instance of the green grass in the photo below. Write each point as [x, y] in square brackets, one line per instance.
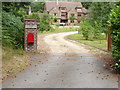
[102, 44]
[10, 52]
[13, 61]
[60, 29]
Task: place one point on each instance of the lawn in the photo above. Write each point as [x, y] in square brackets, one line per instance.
[59, 29]
[102, 44]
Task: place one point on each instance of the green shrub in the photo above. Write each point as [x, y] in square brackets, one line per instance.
[44, 27]
[34, 15]
[45, 22]
[55, 19]
[12, 30]
[87, 30]
[97, 30]
[72, 18]
[115, 33]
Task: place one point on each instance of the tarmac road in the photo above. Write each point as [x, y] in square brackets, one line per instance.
[68, 65]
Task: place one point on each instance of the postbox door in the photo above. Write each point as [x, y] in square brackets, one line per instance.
[30, 38]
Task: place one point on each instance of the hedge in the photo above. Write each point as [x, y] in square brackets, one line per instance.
[12, 31]
[115, 34]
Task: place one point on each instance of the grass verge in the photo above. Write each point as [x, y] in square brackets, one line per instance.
[102, 44]
[13, 61]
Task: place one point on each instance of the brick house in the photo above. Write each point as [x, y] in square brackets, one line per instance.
[63, 11]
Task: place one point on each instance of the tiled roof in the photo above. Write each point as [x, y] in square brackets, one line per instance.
[69, 5]
[84, 10]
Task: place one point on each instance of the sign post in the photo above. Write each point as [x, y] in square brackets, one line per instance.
[30, 35]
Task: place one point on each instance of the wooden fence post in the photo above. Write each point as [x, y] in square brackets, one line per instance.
[109, 40]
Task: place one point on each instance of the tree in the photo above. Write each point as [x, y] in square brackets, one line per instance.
[38, 6]
[14, 7]
[12, 26]
[87, 30]
[55, 19]
[19, 9]
[86, 4]
[99, 11]
[45, 22]
[72, 18]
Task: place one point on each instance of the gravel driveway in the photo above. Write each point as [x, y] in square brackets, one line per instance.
[63, 65]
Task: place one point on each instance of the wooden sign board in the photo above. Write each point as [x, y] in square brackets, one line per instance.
[30, 26]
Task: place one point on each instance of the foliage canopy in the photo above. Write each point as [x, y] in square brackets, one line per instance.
[12, 30]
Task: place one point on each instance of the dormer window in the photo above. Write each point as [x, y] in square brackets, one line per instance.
[55, 14]
[79, 10]
[62, 8]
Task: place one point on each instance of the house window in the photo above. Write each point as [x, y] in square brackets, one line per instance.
[62, 8]
[78, 21]
[72, 15]
[72, 21]
[79, 10]
[55, 14]
[63, 15]
[79, 15]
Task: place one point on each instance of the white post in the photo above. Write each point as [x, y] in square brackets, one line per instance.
[30, 11]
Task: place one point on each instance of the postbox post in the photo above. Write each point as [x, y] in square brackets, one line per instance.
[30, 34]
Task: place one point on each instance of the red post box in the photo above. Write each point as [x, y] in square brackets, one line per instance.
[30, 38]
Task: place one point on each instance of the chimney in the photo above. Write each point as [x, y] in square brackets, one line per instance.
[57, 2]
